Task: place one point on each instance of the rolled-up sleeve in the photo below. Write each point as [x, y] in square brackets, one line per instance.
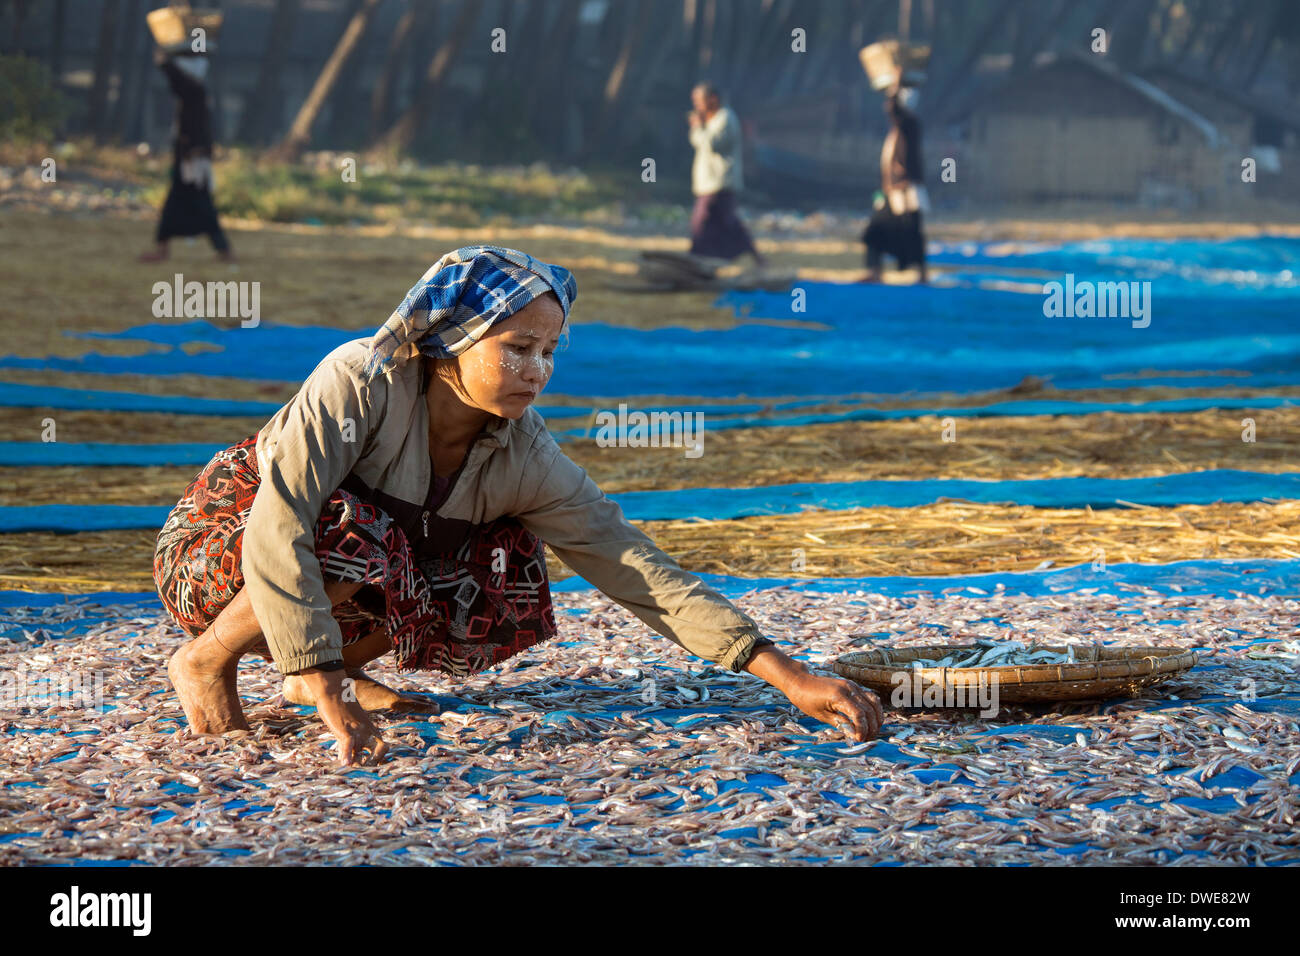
[587, 531]
[319, 436]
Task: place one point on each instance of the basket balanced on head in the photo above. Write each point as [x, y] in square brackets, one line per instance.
[891, 62]
[173, 27]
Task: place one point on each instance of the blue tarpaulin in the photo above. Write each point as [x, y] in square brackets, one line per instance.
[1197, 487]
[18, 395]
[1250, 265]
[1217, 578]
[40, 453]
[883, 340]
[875, 339]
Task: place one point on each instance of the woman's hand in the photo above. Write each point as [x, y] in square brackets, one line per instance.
[854, 710]
[347, 720]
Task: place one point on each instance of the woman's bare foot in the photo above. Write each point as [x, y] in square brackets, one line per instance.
[156, 254]
[207, 694]
[371, 695]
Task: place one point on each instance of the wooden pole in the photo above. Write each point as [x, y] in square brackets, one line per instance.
[403, 132]
[1261, 43]
[551, 76]
[616, 82]
[977, 46]
[381, 97]
[299, 135]
[705, 48]
[133, 26]
[1227, 34]
[56, 42]
[1199, 17]
[108, 19]
[261, 117]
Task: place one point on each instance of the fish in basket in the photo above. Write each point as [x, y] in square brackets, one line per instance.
[950, 675]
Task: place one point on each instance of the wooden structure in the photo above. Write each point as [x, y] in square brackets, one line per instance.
[1254, 127]
[1076, 128]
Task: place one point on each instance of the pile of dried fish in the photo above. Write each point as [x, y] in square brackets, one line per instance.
[600, 747]
[985, 653]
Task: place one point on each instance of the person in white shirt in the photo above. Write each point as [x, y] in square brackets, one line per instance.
[716, 176]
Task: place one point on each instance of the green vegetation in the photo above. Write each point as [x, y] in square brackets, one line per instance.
[450, 194]
[30, 107]
[313, 191]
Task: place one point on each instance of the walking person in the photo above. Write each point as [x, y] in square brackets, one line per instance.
[895, 228]
[717, 174]
[189, 209]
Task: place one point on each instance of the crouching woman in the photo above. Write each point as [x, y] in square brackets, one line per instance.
[399, 503]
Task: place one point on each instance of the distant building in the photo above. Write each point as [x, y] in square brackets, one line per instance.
[1265, 132]
[1077, 128]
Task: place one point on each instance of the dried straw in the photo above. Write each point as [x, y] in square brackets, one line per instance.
[946, 538]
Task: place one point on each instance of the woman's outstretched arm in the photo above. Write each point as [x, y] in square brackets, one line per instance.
[587, 531]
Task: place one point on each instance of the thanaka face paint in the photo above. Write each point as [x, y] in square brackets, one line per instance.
[505, 371]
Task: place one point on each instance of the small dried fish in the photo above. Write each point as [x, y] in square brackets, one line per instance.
[985, 653]
[534, 766]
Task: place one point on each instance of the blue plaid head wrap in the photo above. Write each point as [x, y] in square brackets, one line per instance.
[463, 295]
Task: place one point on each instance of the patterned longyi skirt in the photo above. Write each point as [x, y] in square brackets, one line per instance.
[451, 612]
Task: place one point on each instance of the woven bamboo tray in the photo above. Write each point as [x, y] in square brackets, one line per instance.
[1099, 673]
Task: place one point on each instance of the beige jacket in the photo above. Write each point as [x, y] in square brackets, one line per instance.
[372, 437]
[718, 161]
